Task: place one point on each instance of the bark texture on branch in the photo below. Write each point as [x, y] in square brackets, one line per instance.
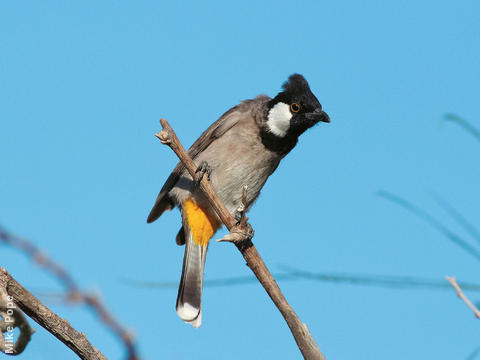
[73, 294]
[58, 327]
[12, 318]
[241, 235]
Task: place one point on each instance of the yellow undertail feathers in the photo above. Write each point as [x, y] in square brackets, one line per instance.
[202, 225]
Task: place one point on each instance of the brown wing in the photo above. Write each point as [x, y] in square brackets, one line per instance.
[217, 129]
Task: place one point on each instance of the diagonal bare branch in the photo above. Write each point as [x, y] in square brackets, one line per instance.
[303, 338]
[11, 318]
[459, 218]
[73, 292]
[46, 318]
[462, 296]
[472, 130]
[473, 354]
[457, 240]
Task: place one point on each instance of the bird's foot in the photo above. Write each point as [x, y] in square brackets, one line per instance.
[203, 169]
[242, 232]
[239, 214]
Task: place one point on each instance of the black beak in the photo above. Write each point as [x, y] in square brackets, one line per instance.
[318, 115]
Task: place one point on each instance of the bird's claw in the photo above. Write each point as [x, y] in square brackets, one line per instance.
[238, 216]
[203, 169]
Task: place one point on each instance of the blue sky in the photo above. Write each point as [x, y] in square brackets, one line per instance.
[83, 86]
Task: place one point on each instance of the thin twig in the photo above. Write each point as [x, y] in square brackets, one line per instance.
[462, 296]
[382, 281]
[303, 338]
[459, 218]
[464, 124]
[46, 318]
[473, 354]
[422, 214]
[74, 294]
[168, 137]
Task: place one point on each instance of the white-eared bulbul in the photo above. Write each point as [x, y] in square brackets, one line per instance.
[243, 147]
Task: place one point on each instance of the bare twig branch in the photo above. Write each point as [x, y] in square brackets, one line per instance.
[462, 296]
[459, 218]
[241, 235]
[46, 318]
[473, 354]
[74, 294]
[12, 318]
[454, 238]
[464, 124]
[168, 137]
[382, 281]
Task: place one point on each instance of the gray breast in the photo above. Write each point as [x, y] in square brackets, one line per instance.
[237, 158]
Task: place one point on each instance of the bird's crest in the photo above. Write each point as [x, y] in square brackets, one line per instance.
[296, 84]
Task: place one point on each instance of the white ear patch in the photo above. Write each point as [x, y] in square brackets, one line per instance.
[279, 119]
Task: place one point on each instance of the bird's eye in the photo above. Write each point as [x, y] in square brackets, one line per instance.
[294, 107]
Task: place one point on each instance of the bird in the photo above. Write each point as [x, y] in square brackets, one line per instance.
[242, 148]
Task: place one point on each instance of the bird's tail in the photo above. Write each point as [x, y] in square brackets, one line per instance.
[199, 226]
[189, 299]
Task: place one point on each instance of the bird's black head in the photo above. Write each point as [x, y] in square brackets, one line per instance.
[290, 113]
